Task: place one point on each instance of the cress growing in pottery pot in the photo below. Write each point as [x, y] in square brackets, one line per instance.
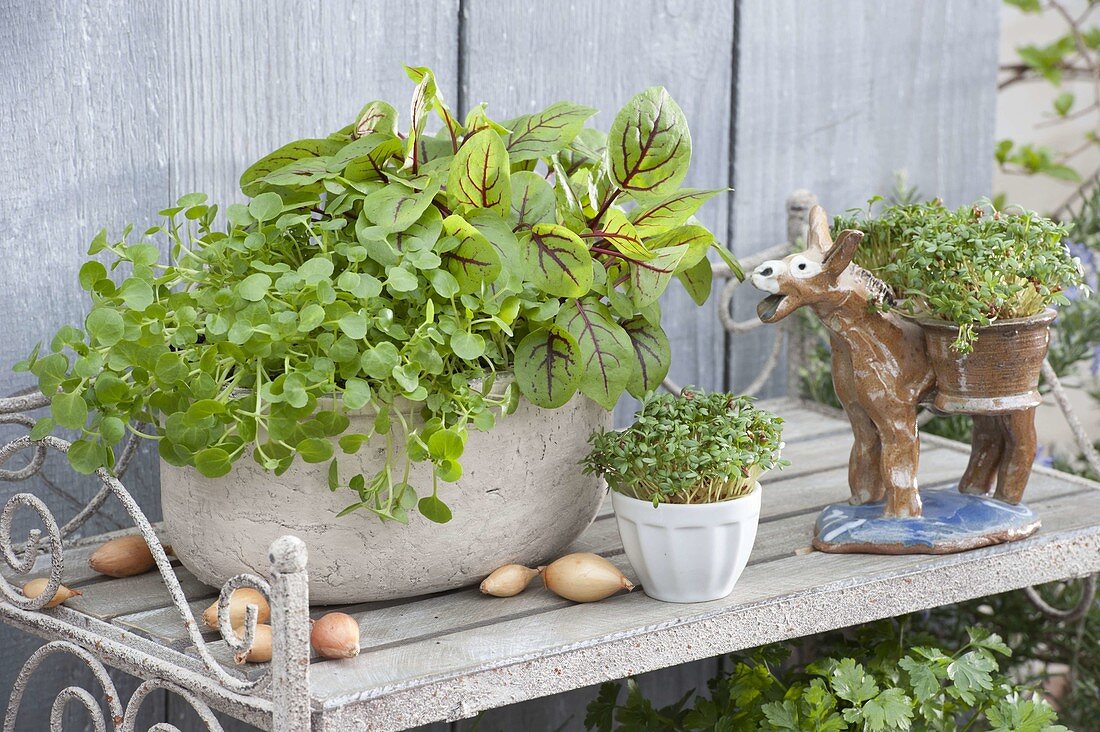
[685, 488]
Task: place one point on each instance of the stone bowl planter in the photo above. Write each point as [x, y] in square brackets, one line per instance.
[1000, 375]
[688, 552]
[522, 498]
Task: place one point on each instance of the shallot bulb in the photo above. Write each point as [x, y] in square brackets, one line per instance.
[509, 580]
[260, 652]
[335, 635]
[584, 577]
[125, 556]
[238, 607]
[36, 587]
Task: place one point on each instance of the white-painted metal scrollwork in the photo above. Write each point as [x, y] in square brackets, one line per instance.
[121, 720]
[22, 559]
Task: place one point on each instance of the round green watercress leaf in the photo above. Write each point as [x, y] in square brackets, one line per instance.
[42, 428]
[86, 456]
[69, 410]
[443, 282]
[399, 279]
[254, 287]
[90, 273]
[315, 449]
[607, 357]
[351, 442]
[356, 393]
[354, 325]
[533, 200]
[446, 444]
[266, 206]
[202, 409]
[548, 366]
[310, 317]
[315, 270]
[449, 471]
[112, 429]
[331, 423]
[105, 326]
[213, 462]
[434, 509]
[544, 133]
[649, 145]
[110, 389]
[379, 360]
[480, 172]
[238, 215]
[670, 211]
[467, 346]
[136, 294]
[557, 261]
[653, 354]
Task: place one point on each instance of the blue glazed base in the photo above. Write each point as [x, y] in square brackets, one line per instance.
[952, 522]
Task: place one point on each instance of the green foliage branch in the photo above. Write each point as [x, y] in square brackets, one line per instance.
[427, 279]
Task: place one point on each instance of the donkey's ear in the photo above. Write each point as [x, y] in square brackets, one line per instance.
[840, 256]
[819, 239]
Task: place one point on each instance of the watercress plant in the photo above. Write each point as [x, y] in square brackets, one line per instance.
[970, 265]
[697, 447]
[408, 273]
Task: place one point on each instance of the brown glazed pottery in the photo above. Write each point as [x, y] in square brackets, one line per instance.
[1000, 375]
[885, 368]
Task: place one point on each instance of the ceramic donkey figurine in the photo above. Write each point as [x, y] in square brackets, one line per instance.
[882, 374]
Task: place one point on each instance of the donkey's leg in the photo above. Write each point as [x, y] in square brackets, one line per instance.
[986, 448]
[865, 461]
[900, 459]
[1019, 454]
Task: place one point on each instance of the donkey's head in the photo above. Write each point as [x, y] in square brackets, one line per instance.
[809, 277]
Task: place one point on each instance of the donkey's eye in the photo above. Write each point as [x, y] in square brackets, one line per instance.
[802, 267]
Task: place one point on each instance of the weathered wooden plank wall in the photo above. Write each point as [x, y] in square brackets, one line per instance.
[835, 96]
[110, 110]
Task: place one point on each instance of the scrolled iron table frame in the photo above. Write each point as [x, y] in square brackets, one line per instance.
[280, 698]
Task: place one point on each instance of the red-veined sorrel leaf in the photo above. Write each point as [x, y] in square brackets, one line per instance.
[474, 260]
[376, 116]
[648, 280]
[697, 280]
[479, 175]
[558, 262]
[607, 356]
[649, 145]
[532, 200]
[423, 97]
[396, 208]
[544, 133]
[670, 211]
[654, 355]
[548, 366]
[621, 233]
[698, 240]
[251, 185]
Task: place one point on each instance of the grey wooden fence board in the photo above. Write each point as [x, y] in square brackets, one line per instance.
[247, 77]
[835, 96]
[520, 57]
[82, 148]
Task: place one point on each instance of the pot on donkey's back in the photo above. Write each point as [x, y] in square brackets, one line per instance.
[1000, 374]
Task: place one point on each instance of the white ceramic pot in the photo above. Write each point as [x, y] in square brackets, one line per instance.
[522, 498]
[688, 552]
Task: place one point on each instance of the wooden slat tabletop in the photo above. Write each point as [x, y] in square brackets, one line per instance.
[451, 654]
